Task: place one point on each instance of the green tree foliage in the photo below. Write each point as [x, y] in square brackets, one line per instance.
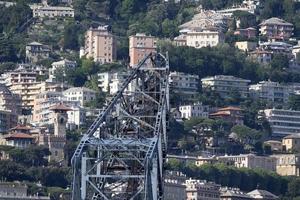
[294, 102]
[246, 19]
[71, 36]
[247, 135]
[7, 50]
[279, 61]
[32, 156]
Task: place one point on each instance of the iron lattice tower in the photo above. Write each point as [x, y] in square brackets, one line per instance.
[121, 155]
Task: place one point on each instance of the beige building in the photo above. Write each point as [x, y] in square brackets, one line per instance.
[246, 46]
[288, 164]
[205, 38]
[276, 28]
[52, 11]
[140, 45]
[9, 101]
[291, 143]
[274, 144]
[180, 40]
[251, 161]
[202, 190]
[182, 83]
[60, 67]
[100, 44]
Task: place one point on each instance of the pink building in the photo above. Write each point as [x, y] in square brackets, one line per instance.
[100, 45]
[140, 45]
[247, 32]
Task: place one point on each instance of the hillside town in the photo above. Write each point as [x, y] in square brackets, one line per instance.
[234, 122]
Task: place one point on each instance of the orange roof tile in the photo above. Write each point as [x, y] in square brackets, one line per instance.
[230, 108]
[19, 136]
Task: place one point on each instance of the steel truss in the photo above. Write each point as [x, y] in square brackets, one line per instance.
[121, 155]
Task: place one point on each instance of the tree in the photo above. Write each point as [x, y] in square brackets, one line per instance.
[294, 102]
[279, 61]
[71, 36]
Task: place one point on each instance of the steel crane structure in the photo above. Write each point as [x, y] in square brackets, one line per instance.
[121, 155]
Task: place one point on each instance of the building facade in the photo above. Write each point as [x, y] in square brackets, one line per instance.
[251, 161]
[36, 51]
[81, 94]
[291, 143]
[140, 45]
[288, 164]
[246, 46]
[282, 122]
[202, 190]
[275, 27]
[271, 91]
[60, 67]
[226, 85]
[194, 110]
[100, 44]
[205, 38]
[52, 11]
[182, 83]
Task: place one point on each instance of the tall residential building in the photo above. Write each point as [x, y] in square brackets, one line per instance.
[204, 38]
[225, 85]
[271, 91]
[194, 110]
[199, 189]
[288, 164]
[251, 161]
[275, 27]
[100, 44]
[282, 122]
[184, 83]
[140, 45]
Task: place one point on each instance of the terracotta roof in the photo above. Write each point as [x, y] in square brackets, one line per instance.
[19, 136]
[21, 127]
[220, 113]
[230, 108]
[60, 106]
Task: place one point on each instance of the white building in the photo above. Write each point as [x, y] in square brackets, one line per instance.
[205, 38]
[111, 82]
[195, 110]
[62, 65]
[183, 83]
[271, 91]
[251, 161]
[81, 94]
[52, 11]
[225, 85]
[282, 122]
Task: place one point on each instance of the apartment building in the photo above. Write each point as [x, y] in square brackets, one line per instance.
[9, 101]
[277, 48]
[174, 185]
[225, 85]
[275, 27]
[41, 114]
[271, 91]
[61, 65]
[183, 83]
[100, 44]
[140, 45]
[204, 38]
[180, 40]
[36, 51]
[111, 82]
[288, 164]
[246, 46]
[282, 122]
[52, 11]
[201, 189]
[291, 143]
[251, 161]
[81, 94]
[194, 110]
